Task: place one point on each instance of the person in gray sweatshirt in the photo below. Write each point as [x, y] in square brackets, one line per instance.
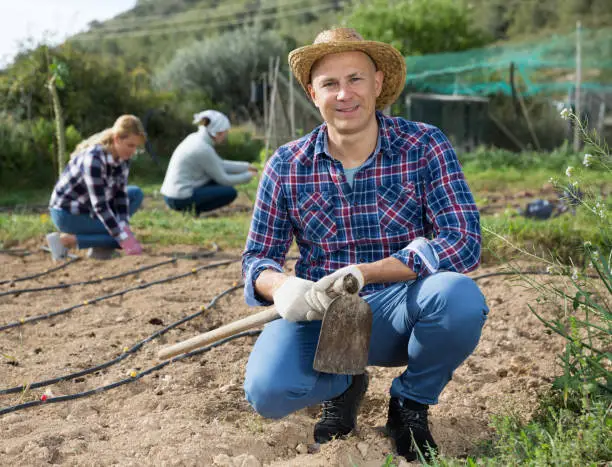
[197, 179]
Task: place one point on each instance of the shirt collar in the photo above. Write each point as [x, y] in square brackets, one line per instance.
[383, 143]
[110, 160]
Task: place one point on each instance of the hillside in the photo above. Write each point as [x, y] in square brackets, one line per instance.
[150, 33]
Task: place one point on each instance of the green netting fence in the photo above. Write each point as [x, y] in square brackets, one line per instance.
[544, 67]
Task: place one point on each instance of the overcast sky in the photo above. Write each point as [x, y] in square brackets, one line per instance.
[51, 19]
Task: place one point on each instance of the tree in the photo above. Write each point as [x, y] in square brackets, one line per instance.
[417, 27]
[223, 67]
[93, 95]
[515, 19]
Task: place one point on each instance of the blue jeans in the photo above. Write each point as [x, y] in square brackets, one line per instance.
[90, 231]
[432, 325]
[204, 198]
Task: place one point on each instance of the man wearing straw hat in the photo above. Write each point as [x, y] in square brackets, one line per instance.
[382, 198]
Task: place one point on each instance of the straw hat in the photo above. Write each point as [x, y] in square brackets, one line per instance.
[387, 58]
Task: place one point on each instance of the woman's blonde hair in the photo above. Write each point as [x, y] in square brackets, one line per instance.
[124, 126]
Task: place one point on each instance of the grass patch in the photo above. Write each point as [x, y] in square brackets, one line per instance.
[562, 237]
[555, 436]
[26, 196]
[165, 227]
[16, 228]
[154, 224]
[510, 178]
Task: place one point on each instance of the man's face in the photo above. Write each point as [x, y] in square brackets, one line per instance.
[344, 87]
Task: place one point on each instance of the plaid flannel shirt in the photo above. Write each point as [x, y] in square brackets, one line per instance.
[409, 200]
[94, 183]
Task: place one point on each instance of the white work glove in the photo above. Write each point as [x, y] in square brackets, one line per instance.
[320, 296]
[290, 303]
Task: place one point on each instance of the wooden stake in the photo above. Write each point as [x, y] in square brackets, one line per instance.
[506, 131]
[60, 132]
[526, 115]
[272, 113]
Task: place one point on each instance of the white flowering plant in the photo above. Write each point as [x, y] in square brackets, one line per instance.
[572, 188]
[581, 294]
[574, 301]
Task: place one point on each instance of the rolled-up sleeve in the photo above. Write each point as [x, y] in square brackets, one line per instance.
[451, 210]
[270, 234]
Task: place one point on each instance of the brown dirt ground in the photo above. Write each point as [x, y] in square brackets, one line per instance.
[193, 412]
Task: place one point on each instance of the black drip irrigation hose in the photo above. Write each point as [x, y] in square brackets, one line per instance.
[135, 348]
[133, 377]
[92, 281]
[21, 252]
[194, 255]
[181, 255]
[146, 285]
[45, 272]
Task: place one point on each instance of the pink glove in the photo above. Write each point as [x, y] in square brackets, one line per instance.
[129, 244]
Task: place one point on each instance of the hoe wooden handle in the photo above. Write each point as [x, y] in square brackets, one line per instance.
[215, 335]
[347, 283]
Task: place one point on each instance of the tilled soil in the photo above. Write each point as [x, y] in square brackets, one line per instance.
[193, 412]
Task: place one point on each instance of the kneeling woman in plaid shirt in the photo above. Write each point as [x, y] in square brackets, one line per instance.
[91, 203]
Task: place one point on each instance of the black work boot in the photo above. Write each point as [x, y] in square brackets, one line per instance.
[340, 413]
[407, 420]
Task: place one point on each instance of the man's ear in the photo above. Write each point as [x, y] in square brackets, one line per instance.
[379, 77]
[313, 94]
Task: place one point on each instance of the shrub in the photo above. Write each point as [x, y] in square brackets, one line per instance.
[554, 437]
[28, 152]
[484, 158]
[241, 146]
[417, 27]
[223, 67]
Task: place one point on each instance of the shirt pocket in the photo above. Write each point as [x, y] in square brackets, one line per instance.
[398, 207]
[316, 211]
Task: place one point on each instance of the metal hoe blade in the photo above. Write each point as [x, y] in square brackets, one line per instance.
[344, 341]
